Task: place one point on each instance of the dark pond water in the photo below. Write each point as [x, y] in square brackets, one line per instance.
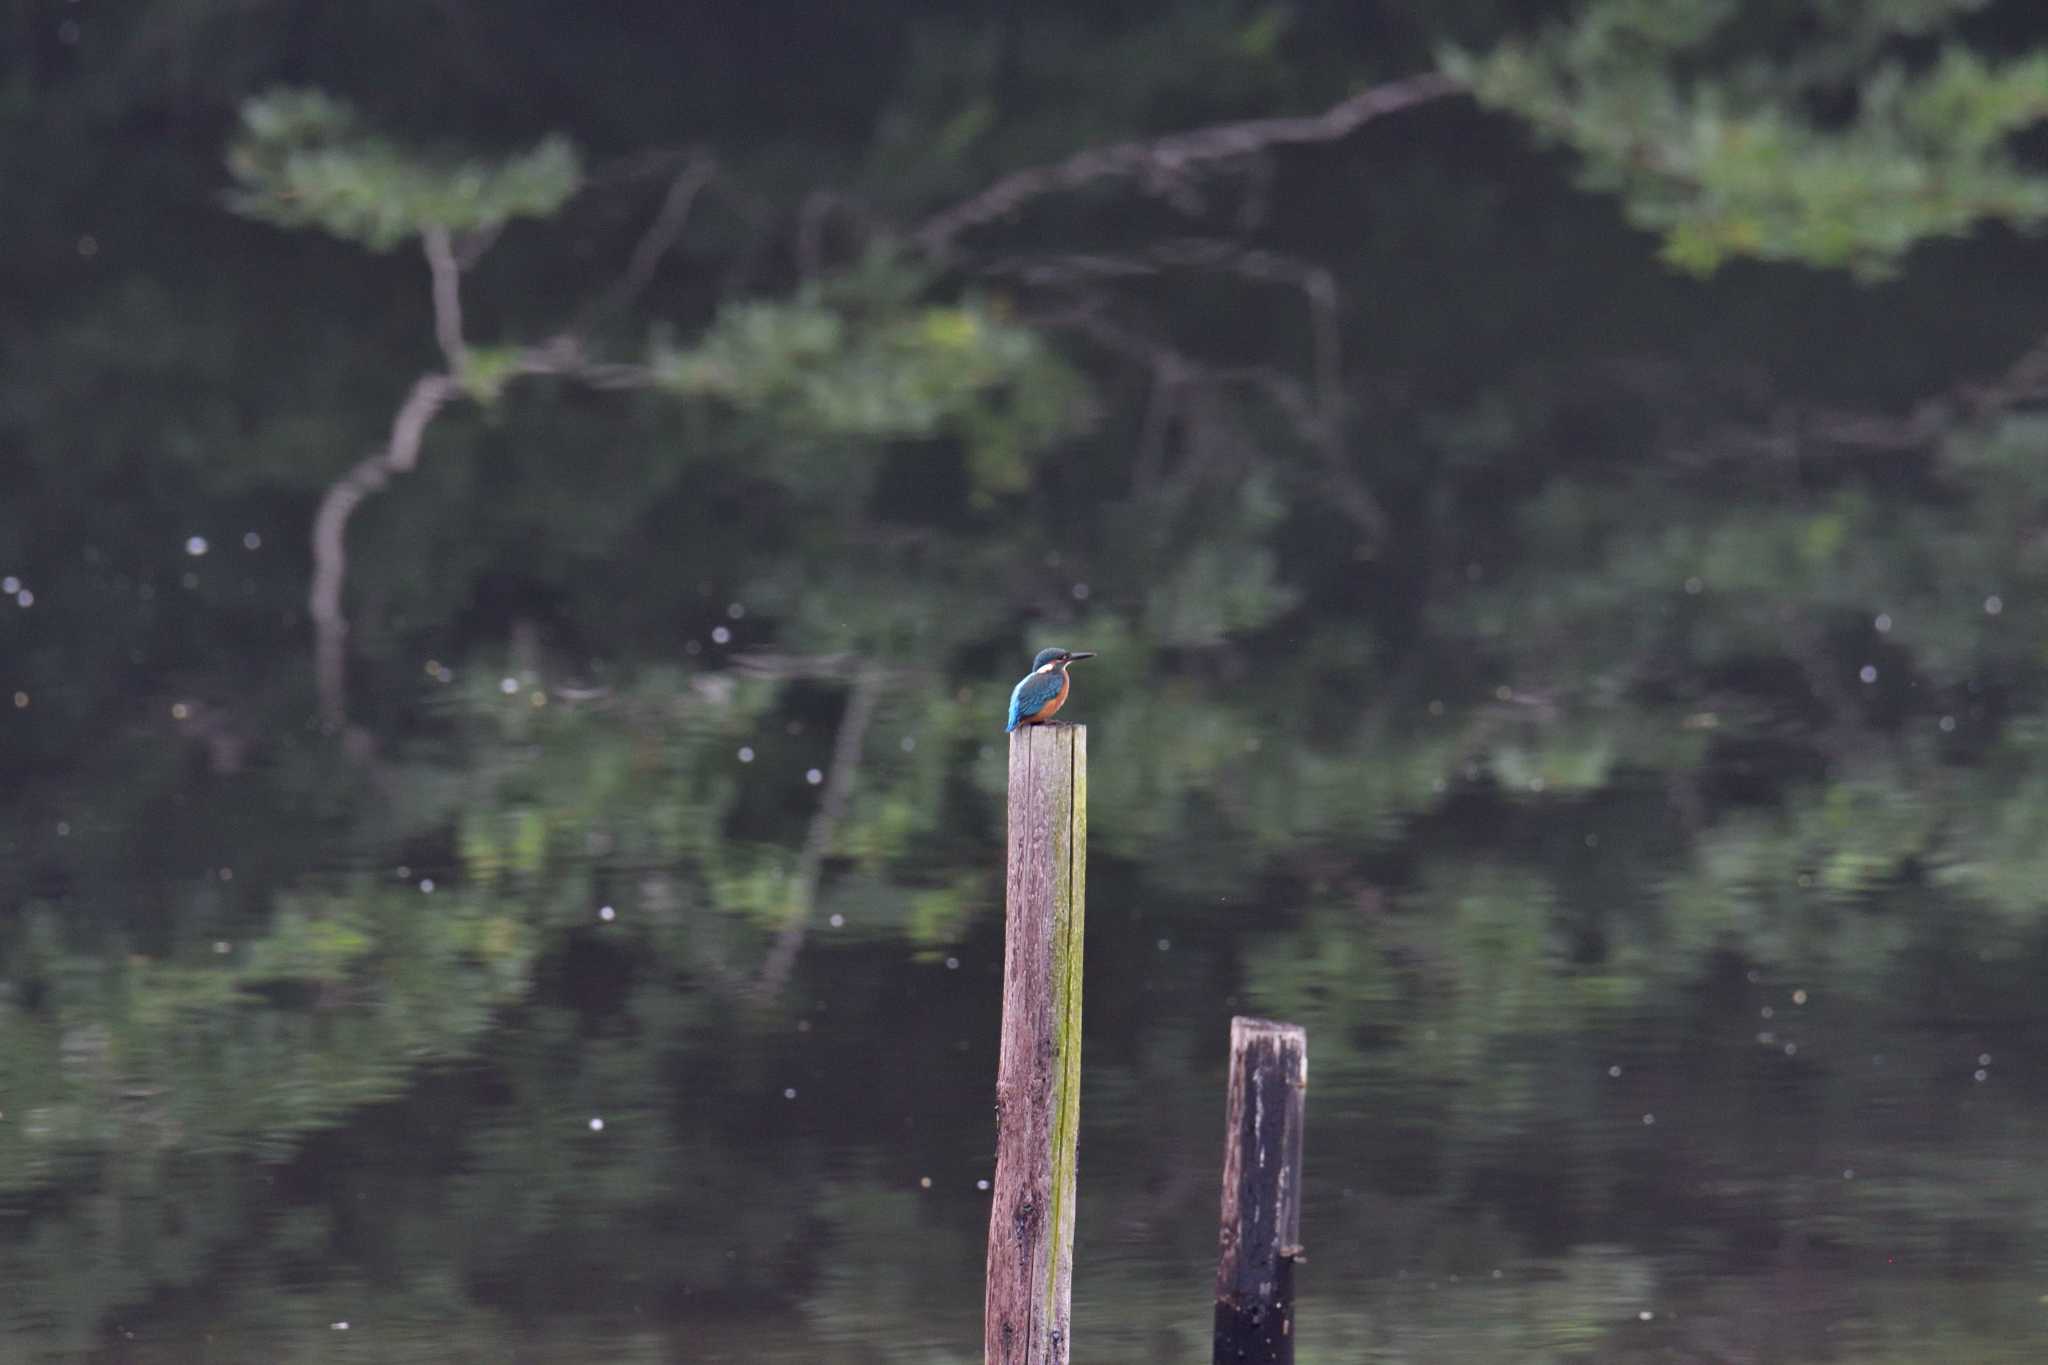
[534, 1082]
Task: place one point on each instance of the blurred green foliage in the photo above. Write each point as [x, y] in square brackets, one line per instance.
[1780, 131]
[303, 160]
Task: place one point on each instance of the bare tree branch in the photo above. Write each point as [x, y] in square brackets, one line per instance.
[1317, 412]
[1311, 413]
[562, 355]
[846, 752]
[1164, 163]
[447, 273]
[659, 239]
[330, 524]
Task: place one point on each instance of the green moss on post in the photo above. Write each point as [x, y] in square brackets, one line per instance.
[1038, 1077]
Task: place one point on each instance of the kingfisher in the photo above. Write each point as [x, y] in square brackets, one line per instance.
[1044, 689]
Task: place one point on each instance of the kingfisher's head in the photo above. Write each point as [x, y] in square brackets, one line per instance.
[1057, 658]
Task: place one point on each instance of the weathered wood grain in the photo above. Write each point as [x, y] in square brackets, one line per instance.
[1261, 1232]
[1038, 1076]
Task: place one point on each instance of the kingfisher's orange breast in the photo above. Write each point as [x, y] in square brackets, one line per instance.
[1059, 699]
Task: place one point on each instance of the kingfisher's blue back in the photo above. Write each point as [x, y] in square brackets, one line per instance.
[1030, 696]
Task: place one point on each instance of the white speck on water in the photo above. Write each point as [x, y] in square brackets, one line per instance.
[1791, 1049]
[789, 1092]
[341, 1326]
[814, 777]
[746, 753]
[1767, 1012]
[924, 1182]
[952, 964]
[1649, 1120]
[1868, 673]
[735, 611]
[427, 885]
[909, 744]
[10, 585]
[1993, 605]
[606, 913]
[1614, 1071]
[25, 598]
[1080, 592]
[720, 635]
[837, 921]
[196, 546]
[1165, 944]
[692, 647]
[1799, 997]
[1753, 975]
[251, 541]
[223, 947]
[227, 874]
[1848, 1173]
[1645, 1316]
[21, 701]
[1535, 784]
[596, 1125]
[1948, 724]
[1981, 1073]
[981, 1184]
[1883, 622]
[1983, 1059]
[402, 872]
[508, 685]
[1693, 587]
[63, 829]
[1592, 841]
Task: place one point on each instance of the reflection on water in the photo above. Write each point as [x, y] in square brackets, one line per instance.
[508, 1087]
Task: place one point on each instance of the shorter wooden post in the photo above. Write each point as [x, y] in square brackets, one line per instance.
[1261, 1193]
[1038, 1075]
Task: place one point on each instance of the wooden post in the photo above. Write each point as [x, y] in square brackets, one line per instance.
[1038, 1078]
[1261, 1193]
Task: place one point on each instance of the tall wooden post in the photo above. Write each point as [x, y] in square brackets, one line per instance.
[1038, 1078]
[1261, 1193]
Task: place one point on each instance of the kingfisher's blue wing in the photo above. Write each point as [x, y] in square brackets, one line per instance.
[1034, 692]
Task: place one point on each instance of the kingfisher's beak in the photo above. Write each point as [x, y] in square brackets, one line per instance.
[1081, 654]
